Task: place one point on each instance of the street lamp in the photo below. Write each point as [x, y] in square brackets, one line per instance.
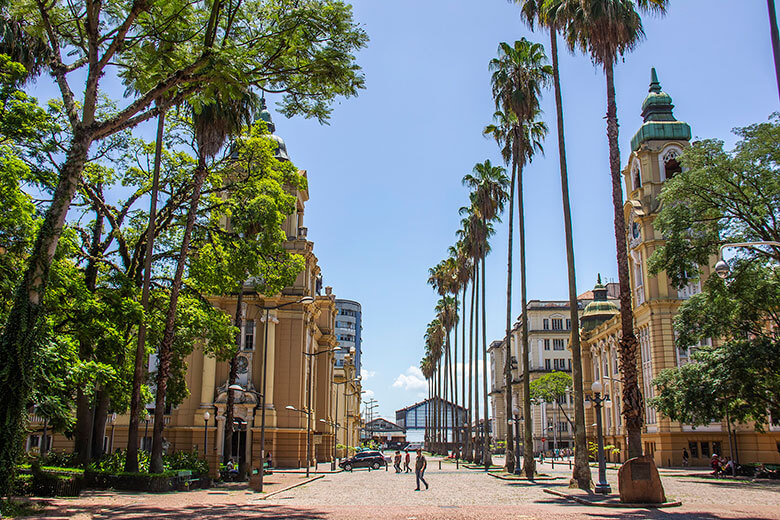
[304, 300]
[602, 486]
[146, 430]
[517, 420]
[113, 424]
[308, 399]
[206, 417]
[722, 268]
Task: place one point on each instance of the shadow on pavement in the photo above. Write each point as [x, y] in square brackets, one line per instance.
[232, 511]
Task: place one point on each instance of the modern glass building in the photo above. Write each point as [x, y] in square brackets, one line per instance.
[348, 329]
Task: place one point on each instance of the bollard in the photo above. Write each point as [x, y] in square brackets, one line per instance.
[552, 463]
[569, 463]
[439, 465]
[457, 463]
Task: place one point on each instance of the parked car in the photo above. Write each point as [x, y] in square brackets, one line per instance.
[364, 459]
[413, 446]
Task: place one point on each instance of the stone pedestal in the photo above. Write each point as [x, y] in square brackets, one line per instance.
[639, 482]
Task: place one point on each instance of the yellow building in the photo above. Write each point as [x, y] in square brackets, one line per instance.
[300, 374]
[653, 160]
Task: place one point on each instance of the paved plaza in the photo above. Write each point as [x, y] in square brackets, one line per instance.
[454, 493]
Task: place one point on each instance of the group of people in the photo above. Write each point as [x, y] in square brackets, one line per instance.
[420, 465]
[557, 453]
[721, 465]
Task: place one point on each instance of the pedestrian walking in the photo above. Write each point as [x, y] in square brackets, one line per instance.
[419, 469]
[397, 461]
[685, 458]
[407, 459]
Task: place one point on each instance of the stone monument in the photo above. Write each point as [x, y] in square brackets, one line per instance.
[639, 482]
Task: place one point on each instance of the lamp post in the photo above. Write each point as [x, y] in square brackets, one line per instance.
[113, 424]
[206, 417]
[722, 268]
[304, 300]
[517, 420]
[597, 401]
[311, 355]
[146, 429]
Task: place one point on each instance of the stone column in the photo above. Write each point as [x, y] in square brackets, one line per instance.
[249, 438]
[208, 380]
[220, 438]
[270, 357]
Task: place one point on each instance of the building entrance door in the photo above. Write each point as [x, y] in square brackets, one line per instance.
[237, 451]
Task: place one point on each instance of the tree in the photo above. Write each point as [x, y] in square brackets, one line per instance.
[773, 32]
[519, 73]
[544, 13]
[724, 197]
[224, 44]
[488, 196]
[550, 388]
[607, 30]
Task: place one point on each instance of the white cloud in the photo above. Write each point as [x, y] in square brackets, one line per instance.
[367, 374]
[368, 394]
[412, 379]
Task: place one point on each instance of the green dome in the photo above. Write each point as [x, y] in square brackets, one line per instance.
[281, 147]
[600, 309]
[659, 121]
[596, 308]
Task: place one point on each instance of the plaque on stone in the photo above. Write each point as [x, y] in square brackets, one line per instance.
[640, 471]
[639, 482]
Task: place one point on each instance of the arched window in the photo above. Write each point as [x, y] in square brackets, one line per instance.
[636, 175]
[670, 165]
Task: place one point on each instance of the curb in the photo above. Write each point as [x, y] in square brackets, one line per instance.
[272, 493]
[523, 479]
[611, 504]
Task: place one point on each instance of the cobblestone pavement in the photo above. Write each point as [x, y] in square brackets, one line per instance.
[453, 494]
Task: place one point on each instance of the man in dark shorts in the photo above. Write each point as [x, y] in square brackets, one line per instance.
[419, 469]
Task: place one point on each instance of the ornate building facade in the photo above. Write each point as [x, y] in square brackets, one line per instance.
[653, 160]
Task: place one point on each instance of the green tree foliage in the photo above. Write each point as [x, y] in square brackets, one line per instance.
[722, 197]
[550, 387]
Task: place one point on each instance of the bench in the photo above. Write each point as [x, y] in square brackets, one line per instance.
[185, 478]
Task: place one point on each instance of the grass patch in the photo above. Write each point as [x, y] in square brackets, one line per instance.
[16, 509]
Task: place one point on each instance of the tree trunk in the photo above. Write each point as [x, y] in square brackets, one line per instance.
[529, 464]
[447, 390]
[477, 450]
[581, 473]
[463, 437]
[470, 415]
[18, 342]
[165, 352]
[775, 39]
[83, 426]
[99, 423]
[139, 374]
[632, 397]
[509, 458]
[486, 458]
[231, 396]
[454, 384]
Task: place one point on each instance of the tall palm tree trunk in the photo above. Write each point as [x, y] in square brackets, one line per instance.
[454, 381]
[632, 397]
[165, 352]
[509, 462]
[470, 406]
[464, 437]
[775, 39]
[581, 472]
[477, 452]
[447, 390]
[438, 407]
[529, 464]
[486, 459]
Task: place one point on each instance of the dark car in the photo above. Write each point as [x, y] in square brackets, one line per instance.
[364, 459]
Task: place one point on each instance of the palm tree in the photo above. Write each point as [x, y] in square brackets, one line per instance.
[434, 338]
[775, 39]
[533, 12]
[426, 367]
[519, 73]
[489, 194]
[447, 313]
[607, 29]
[463, 277]
[212, 125]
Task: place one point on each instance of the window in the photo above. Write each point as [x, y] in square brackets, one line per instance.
[705, 449]
[563, 427]
[546, 344]
[568, 324]
[249, 334]
[693, 447]
[546, 324]
[569, 364]
[547, 364]
[557, 323]
[558, 344]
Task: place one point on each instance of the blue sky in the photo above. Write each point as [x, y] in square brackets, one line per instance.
[384, 176]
